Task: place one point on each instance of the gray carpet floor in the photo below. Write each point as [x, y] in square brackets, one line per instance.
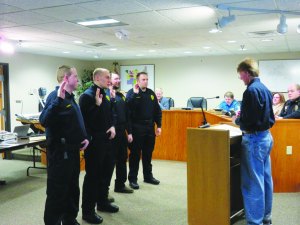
[22, 199]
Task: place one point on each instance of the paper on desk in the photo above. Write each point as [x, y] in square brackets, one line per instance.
[233, 131]
[37, 138]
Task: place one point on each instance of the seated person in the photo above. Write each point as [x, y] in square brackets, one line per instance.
[229, 103]
[291, 108]
[162, 101]
[278, 103]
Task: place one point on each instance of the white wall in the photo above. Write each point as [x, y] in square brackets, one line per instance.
[208, 76]
[28, 71]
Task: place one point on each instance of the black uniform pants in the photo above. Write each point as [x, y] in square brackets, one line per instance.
[63, 191]
[99, 166]
[143, 143]
[120, 150]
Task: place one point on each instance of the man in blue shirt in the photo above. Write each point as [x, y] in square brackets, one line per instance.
[229, 103]
[65, 133]
[255, 120]
[162, 101]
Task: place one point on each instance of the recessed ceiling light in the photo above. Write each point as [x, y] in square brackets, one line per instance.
[231, 41]
[78, 42]
[113, 49]
[187, 52]
[98, 22]
[66, 52]
[266, 40]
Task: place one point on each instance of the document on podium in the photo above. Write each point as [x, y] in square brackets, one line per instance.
[233, 131]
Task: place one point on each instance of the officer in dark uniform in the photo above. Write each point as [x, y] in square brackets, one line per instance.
[291, 108]
[96, 109]
[144, 112]
[120, 142]
[65, 134]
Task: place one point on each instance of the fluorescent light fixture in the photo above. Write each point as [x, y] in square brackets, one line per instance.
[282, 27]
[78, 42]
[206, 47]
[66, 52]
[152, 50]
[187, 52]
[113, 49]
[231, 41]
[98, 22]
[139, 55]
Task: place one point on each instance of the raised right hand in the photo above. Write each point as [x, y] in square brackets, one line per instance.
[61, 93]
[136, 88]
[98, 97]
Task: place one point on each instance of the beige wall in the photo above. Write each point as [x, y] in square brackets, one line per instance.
[208, 76]
[27, 72]
[180, 78]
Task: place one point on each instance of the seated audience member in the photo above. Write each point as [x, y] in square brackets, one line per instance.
[278, 103]
[162, 101]
[229, 103]
[291, 108]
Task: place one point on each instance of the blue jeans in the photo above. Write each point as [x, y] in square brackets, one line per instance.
[256, 176]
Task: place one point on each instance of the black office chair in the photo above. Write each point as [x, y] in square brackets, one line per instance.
[171, 102]
[195, 102]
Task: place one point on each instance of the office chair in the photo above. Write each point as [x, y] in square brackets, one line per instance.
[171, 102]
[194, 102]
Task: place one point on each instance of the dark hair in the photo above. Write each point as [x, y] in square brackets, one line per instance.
[141, 73]
[250, 66]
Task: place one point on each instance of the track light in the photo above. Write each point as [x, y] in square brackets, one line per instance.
[282, 27]
[225, 20]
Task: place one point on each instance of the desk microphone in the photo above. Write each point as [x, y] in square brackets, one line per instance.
[205, 124]
[213, 97]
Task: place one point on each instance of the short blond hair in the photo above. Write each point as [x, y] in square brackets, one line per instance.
[249, 65]
[62, 71]
[99, 71]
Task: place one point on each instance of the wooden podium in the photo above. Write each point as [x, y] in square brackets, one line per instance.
[213, 174]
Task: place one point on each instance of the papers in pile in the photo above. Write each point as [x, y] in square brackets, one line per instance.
[28, 117]
[5, 135]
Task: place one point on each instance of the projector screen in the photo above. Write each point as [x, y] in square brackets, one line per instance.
[278, 74]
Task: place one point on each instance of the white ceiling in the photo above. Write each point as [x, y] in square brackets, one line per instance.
[157, 28]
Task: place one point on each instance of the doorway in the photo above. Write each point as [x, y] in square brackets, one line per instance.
[4, 98]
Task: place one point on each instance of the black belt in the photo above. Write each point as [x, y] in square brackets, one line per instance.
[253, 132]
